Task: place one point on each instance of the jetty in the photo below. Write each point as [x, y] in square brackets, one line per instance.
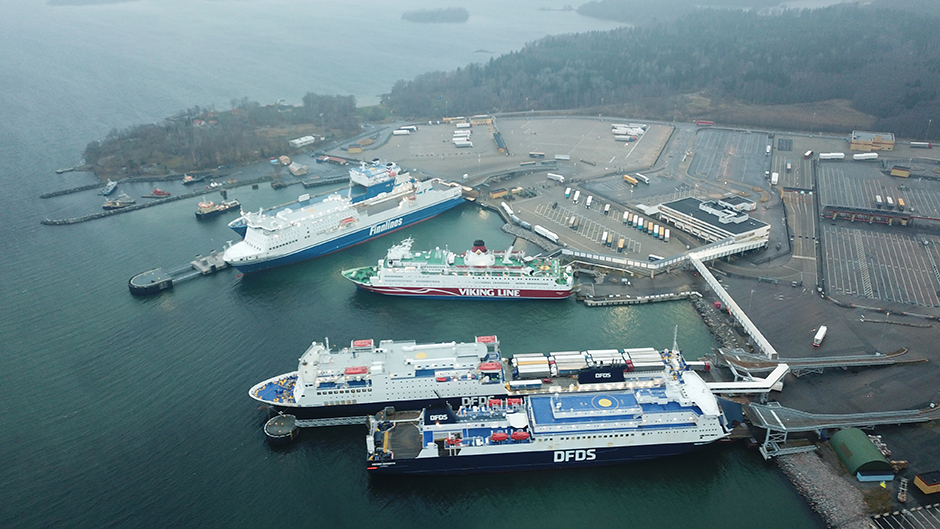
[157, 280]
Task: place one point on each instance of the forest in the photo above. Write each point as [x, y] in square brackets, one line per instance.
[199, 138]
[885, 63]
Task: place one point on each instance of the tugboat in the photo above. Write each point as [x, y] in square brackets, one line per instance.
[122, 201]
[158, 193]
[211, 209]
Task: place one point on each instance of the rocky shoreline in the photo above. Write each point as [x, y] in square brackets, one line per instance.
[839, 503]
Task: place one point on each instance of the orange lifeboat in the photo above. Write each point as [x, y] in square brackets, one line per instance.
[514, 401]
[441, 379]
[519, 436]
[499, 437]
[491, 366]
[358, 370]
[494, 403]
[453, 441]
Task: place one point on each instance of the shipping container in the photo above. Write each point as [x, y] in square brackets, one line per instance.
[901, 171]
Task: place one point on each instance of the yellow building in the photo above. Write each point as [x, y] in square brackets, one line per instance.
[871, 141]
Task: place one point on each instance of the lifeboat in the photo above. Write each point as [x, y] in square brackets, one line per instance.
[494, 403]
[441, 379]
[491, 366]
[452, 441]
[514, 401]
[519, 436]
[358, 370]
[499, 437]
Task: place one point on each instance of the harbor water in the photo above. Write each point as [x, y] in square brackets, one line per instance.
[133, 412]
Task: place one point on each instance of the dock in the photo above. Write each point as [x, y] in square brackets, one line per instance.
[157, 280]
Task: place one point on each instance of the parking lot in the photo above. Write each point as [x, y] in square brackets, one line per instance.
[881, 264]
[725, 155]
[801, 214]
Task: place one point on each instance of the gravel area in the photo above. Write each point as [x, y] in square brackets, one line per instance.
[839, 503]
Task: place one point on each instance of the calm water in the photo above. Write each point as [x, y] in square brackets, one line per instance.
[132, 412]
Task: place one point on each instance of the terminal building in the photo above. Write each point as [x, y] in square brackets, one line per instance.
[714, 220]
[871, 141]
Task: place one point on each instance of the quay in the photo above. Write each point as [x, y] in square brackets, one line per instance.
[157, 280]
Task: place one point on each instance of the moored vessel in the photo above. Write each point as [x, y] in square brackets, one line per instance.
[642, 418]
[477, 273]
[208, 208]
[158, 193]
[109, 187]
[121, 201]
[310, 229]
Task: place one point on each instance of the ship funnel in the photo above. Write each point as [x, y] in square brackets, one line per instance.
[479, 245]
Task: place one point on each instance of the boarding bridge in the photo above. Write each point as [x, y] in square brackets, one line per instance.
[716, 252]
[780, 421]
[750, 384]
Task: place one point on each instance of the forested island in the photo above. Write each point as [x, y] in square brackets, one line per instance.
[449, 15]
[834, 69]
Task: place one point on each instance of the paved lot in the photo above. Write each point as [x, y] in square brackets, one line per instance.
[883, 265]
[801, 214]
[724, 155]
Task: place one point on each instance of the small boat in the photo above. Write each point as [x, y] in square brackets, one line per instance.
[211, 209]
[109, 187]
[158, 193]
[122, 201]
[190, 179]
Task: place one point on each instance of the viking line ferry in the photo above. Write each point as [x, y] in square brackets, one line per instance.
[477, 273]
[307, 229]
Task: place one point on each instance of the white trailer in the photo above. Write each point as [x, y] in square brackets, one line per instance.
[774, 178]
[463, 125]
[562, 157]
[625, 215]
[577, 195]
[832, 156]
[865, 156]
[400, 132]
[590, 199]
[464, 145]
[666, 235]
[556, 177]
[820, 334]
[545, 233]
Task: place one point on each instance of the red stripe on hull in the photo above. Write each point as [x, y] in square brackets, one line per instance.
[480, 293]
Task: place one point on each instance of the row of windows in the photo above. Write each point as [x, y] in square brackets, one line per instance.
[338, 391]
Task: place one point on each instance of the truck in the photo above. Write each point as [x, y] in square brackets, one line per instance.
[637, 221]
[865, 156]
[832, 156]
[774, 178]
[624, 137]
[620, 246]
[587, 203]
[567, 192]
[626, 217]
[656, 230]
[556, 177]
[603, 238]
[789, 166]
[536, 155]
[878, 202]
[643, 179]
[767, 151]
[463, 125]
[400, 132]
[649, 227]
[704, 123]
[577, 195]
[890, 202]
[550, 235]
[464, 144]
[921, 145]
[610, 240]
[606, 209]
[562, 157]
[807, 155]
[666, 236]
[820, 334]
[629, 179]
[900, 204]
[409, 128]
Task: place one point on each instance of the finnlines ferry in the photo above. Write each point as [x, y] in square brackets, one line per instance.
[477, 273]
[365, 377]
[643, 417]
[392, 201]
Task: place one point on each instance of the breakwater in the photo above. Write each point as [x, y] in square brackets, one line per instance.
[135, 207]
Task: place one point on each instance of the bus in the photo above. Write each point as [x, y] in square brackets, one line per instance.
[523, 164]
[643, 179]
[654, 257]
[562, 157]
[412, 128]
[536, 155]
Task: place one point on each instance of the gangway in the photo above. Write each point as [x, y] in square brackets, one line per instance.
[780, 421]
[751, 384]
[740, 361]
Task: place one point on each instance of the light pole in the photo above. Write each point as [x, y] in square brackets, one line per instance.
[927, 134]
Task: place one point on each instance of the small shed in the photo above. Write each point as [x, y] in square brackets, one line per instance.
[860, 456]
[928, 482]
